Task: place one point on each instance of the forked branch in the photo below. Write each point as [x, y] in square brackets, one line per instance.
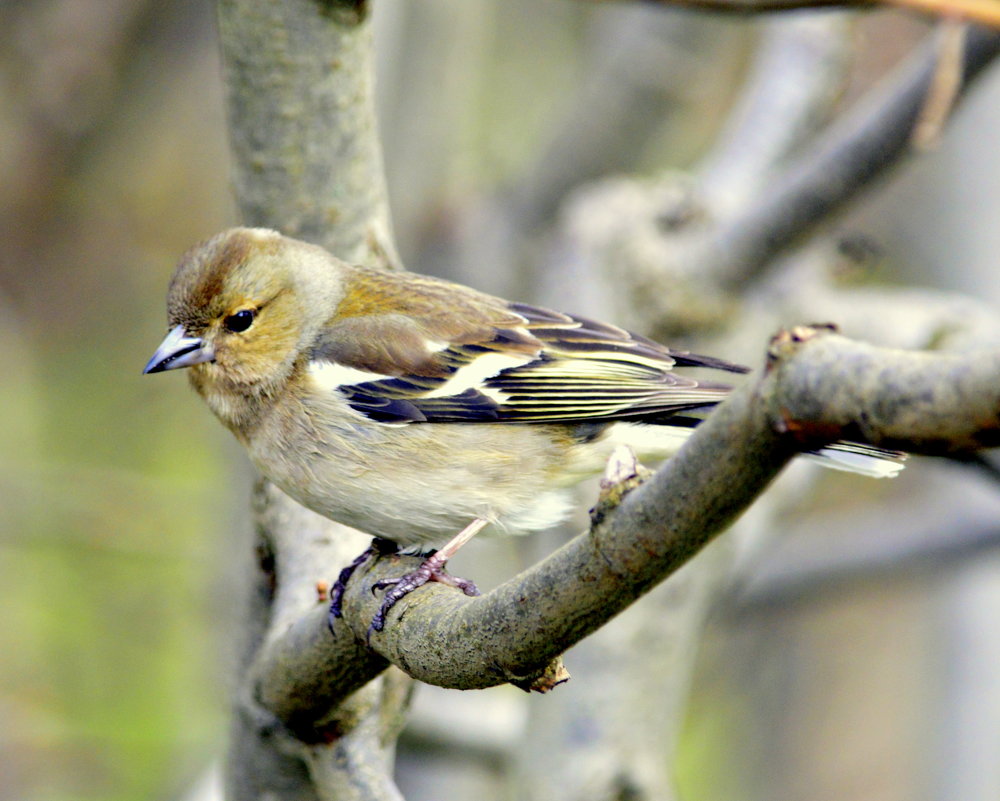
[816, 387]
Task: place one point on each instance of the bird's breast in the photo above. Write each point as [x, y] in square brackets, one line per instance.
[413, 483]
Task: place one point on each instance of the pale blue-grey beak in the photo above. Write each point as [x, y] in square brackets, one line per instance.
[179, 350]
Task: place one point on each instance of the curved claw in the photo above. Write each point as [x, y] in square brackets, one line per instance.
[379, 547]
[381, 584]
[432, 569]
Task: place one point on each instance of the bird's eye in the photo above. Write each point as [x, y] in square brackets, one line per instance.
[239, 321]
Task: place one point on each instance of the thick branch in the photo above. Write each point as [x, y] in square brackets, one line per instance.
[513, 632]
[307, 161]
[306, 151]
[297, 675]
[516, 629]
[921, 402]
[825, 384]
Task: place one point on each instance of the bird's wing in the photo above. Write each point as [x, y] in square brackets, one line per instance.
[490, 361]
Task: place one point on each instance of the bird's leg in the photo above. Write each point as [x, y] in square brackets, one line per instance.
[379, 547]
[432, 569]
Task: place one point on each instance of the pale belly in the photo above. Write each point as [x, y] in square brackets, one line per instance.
[422, 483]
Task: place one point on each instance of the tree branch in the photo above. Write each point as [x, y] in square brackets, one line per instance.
[985, 12]
[817, 386]
[307, 161]
[928, 403]
[306, 151]
[852, 154]
[800, 69]
[685, 268]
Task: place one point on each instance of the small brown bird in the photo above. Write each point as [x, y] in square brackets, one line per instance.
[413, 408]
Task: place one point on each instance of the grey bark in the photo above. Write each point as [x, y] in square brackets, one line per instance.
[306, 161]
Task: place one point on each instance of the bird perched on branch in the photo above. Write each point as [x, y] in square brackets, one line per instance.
[413, 408]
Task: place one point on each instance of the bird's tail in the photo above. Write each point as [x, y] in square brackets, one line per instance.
[853, 457]
[655, 442]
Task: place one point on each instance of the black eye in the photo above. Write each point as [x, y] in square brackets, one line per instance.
[240, 321]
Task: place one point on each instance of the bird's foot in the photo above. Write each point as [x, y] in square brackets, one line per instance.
[432, 569]
[379, 547]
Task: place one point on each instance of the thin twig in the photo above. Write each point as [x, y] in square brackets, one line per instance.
[945, 86]
[985, 12]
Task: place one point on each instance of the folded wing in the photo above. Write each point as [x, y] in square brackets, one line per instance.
[507, 363]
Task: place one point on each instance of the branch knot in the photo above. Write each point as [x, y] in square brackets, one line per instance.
[622, 474]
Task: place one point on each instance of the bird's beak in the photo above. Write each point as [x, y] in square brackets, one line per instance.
[179, 350]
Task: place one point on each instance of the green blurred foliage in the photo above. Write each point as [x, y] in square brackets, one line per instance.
[115, 508]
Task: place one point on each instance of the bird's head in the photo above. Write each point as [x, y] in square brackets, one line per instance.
[242, 307]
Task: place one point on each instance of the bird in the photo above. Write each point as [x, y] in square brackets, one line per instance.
[419, 410]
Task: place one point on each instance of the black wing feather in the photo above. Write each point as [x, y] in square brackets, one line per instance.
[562, 368]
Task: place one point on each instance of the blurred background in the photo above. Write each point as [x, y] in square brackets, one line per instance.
[849, 660]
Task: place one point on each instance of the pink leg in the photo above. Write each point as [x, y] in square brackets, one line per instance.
[432, 569]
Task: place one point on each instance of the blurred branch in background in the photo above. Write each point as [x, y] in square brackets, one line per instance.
[860, 148]
[689, 261]
[984, 11]
[647, 81]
